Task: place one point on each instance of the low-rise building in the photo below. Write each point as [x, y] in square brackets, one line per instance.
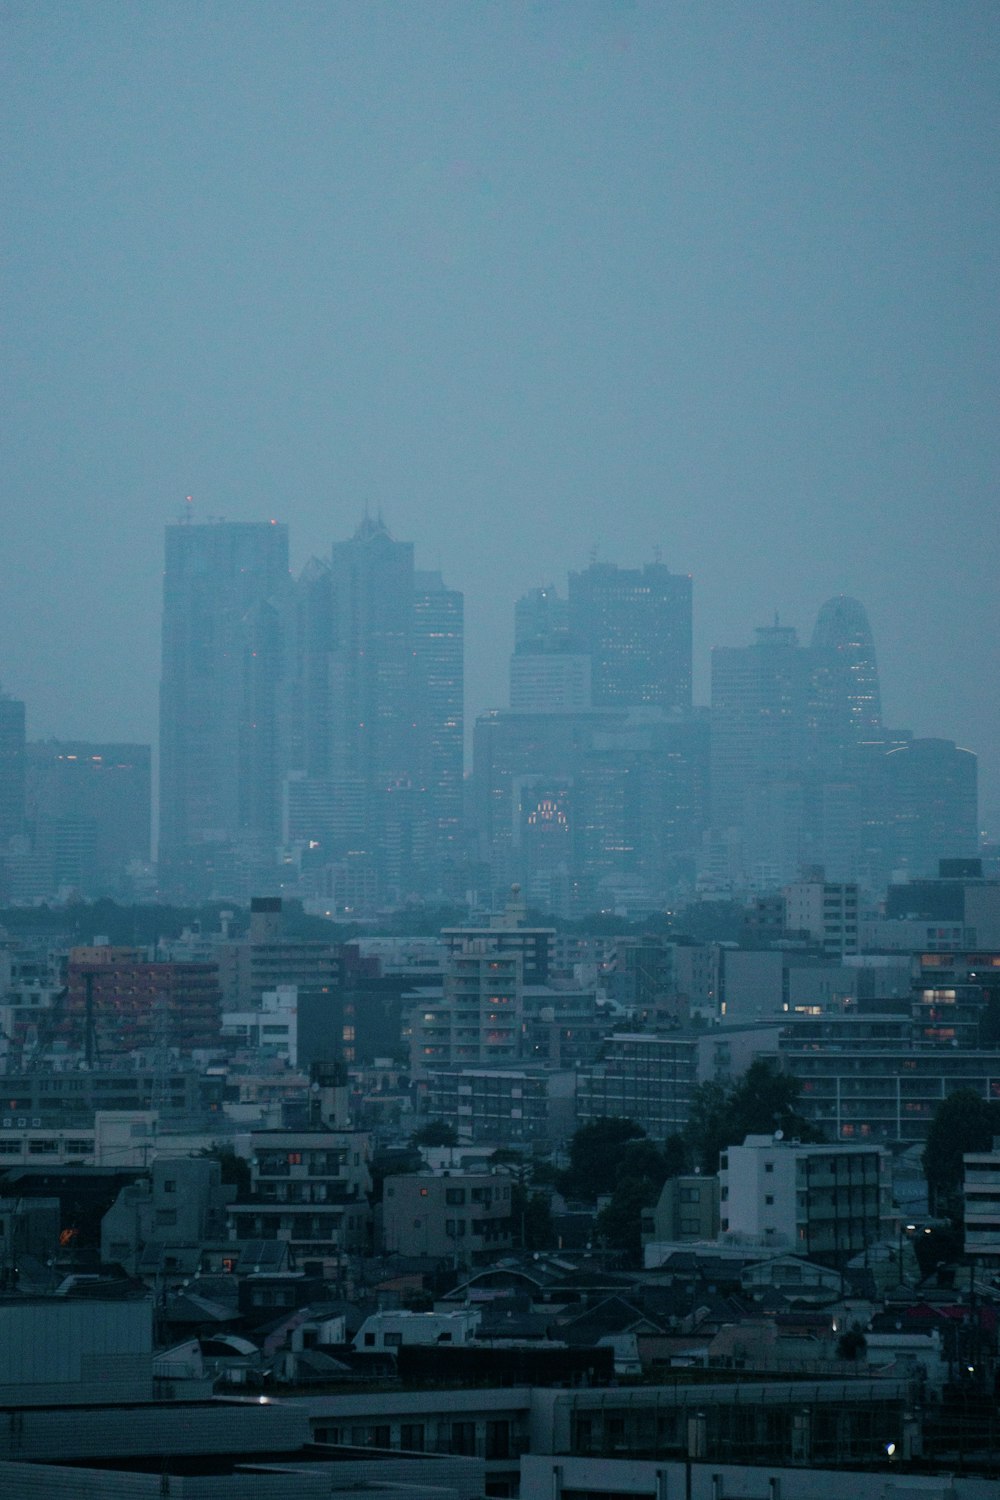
[308, 1187]
[981, 1194]
[465, 1216]
[826, 1202]
[509, 1105]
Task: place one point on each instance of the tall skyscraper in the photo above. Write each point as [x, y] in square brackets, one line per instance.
[373, 764]
[438, 660]
[546, 674]
[11, 767]
[635, 625]
[842, 632]
[88, 812]
[219, 702]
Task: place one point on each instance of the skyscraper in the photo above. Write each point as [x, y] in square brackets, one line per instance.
[88, 811]
[842, 632]
[375, 692]
[635, 625]
[219, 698]
[438, 660]
[11, 767]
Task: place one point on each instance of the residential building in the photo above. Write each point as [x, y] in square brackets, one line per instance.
[825, 911]
[308, 1187]
[826, 1202]
[882, 1090]
[478, 1017]
[687, 1209]
[464, 1216]
[981, 1198]
[182, 1202]
[512, 1105]
[652, 1078]
[120, 1002]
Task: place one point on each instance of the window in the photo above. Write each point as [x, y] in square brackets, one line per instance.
[769, 1166]
[393, 1340]
[769, 1198]
[454, 1195]
[170, 1186]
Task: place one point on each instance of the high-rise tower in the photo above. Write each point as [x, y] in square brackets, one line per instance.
[12, 765]
[375, 694]
[635, 625]
[221, 667]
[842, 631]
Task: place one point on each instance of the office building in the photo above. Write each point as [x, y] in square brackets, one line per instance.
[374, 700]
[842, 633]
[88, 812]
[635, 625]
[219, 705]
[438, 692]
[12, 767]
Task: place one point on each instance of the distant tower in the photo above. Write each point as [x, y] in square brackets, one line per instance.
[635, 625]
[12, 764]
[843, 631]
[218, 703]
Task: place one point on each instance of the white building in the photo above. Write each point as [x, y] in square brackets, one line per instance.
[826, 910]
[825, 1202]
[389, 1330]
[272, 1029]
[982, 1201]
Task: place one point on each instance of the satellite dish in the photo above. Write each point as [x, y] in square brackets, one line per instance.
[779, 1135]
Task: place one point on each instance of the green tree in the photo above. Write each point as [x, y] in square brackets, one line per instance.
[531, 1219]
[235, 1169]
[963, 1122]
[595, 1157]
[852, 1344]
[763, 1101]
[759, 1103]
[435, 1133]
[619, 1224]
[707, 1129]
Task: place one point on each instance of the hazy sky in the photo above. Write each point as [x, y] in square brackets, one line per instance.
[540, 281]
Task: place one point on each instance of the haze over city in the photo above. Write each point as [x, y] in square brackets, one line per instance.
[537, 282]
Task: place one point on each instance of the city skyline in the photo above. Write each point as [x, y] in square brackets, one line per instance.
[534, 281]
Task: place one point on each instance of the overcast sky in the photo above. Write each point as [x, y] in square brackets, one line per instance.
[543, 281]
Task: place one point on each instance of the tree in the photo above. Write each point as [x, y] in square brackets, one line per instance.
[707, 1129]
[435, 1133]
[531, 1219]
[619, 1225]
[235, 1169]
[962, 1123]
[595, 1156]
[763, 1101]
[759, 1103]
[852, 1344]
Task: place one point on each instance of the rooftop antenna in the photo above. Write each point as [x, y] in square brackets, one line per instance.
[188, 511]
